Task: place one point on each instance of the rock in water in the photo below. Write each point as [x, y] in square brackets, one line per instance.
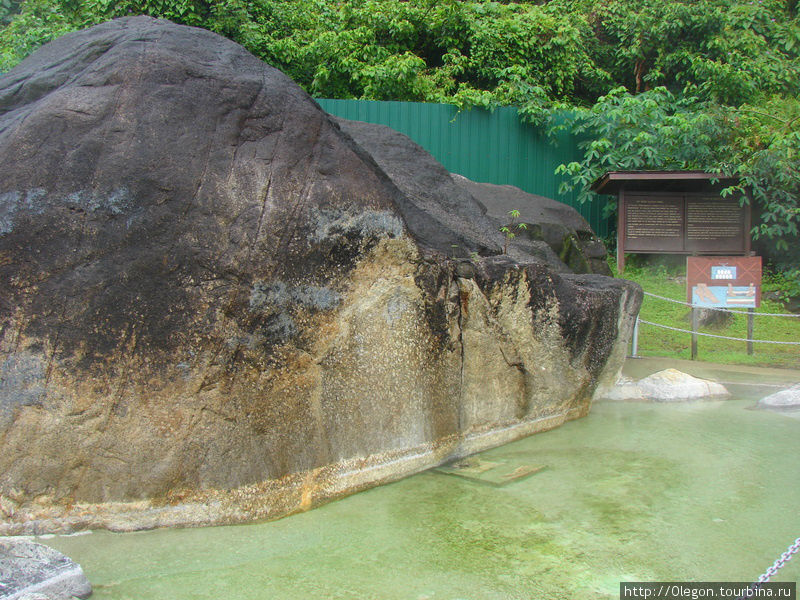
[624, 390]
[671, 385]
[785, 399]
[211, 296]
[31, 570]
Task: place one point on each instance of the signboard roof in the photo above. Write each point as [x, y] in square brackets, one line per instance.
[611, 182]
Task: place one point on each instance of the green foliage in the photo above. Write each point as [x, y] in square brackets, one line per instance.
[8, 8]
[187, 12]
[729, 52]
[478, 53]
[29, 25]
[651, 130]
[659, 130]
[765, 153]
[698, 84]
[783, 286]
[510, 231]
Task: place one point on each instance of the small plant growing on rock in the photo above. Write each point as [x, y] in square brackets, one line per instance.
[510, 230]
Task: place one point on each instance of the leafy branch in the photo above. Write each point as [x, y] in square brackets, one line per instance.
[510, 230]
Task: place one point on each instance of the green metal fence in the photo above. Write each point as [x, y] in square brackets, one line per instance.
[492, 147]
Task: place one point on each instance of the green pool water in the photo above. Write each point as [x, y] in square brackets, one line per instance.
[695, 491]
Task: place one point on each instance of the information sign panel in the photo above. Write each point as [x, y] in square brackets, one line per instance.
[724, 281]
[654, 223]
[686, 223]
[714, 224]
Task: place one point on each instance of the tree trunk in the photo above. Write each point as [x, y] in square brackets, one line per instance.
[638, 72]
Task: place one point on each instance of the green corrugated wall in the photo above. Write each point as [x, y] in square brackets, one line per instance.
[493, 147]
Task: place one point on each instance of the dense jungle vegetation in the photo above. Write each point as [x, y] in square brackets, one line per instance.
[695, 84]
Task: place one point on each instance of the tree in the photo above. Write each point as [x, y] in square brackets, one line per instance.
[659, 130]
[705, 84]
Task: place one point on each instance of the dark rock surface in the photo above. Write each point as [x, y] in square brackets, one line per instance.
[431, 188]
[206, 285]
[560, 226]
[28, 569]
[708, 317]
[124, 195]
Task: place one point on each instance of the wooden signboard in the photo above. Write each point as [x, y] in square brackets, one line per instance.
[676, 212]
[682, 224]
[724, 281]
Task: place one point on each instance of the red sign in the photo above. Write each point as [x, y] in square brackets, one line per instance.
[724, 281]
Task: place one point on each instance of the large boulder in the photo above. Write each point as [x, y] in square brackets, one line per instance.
[215, 305]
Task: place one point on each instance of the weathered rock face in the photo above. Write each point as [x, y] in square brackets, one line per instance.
[437, 193]
[212, 297]
[557, 225]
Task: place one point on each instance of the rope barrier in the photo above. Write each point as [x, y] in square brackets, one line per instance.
[740, 312]
[722, 337]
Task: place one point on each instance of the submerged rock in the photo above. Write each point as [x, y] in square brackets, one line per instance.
[785, 399]
[211, 296]
[33, 571]
[669, 385]
[625, 390]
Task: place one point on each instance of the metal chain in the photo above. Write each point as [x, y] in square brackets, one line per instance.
[722, 337]
[720, 309]
[782, 560]
[776, 566]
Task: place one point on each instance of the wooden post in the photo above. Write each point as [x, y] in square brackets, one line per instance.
[750, 313]
[694, 332]
[635, 341]
[621, 224]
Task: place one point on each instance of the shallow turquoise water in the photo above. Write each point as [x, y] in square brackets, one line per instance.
[697, 491]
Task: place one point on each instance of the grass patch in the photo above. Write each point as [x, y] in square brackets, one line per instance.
[670, 281]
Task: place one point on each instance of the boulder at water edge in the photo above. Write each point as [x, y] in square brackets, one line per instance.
[216, 306]
[669, 385]
[785, 399]
[31, 570]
